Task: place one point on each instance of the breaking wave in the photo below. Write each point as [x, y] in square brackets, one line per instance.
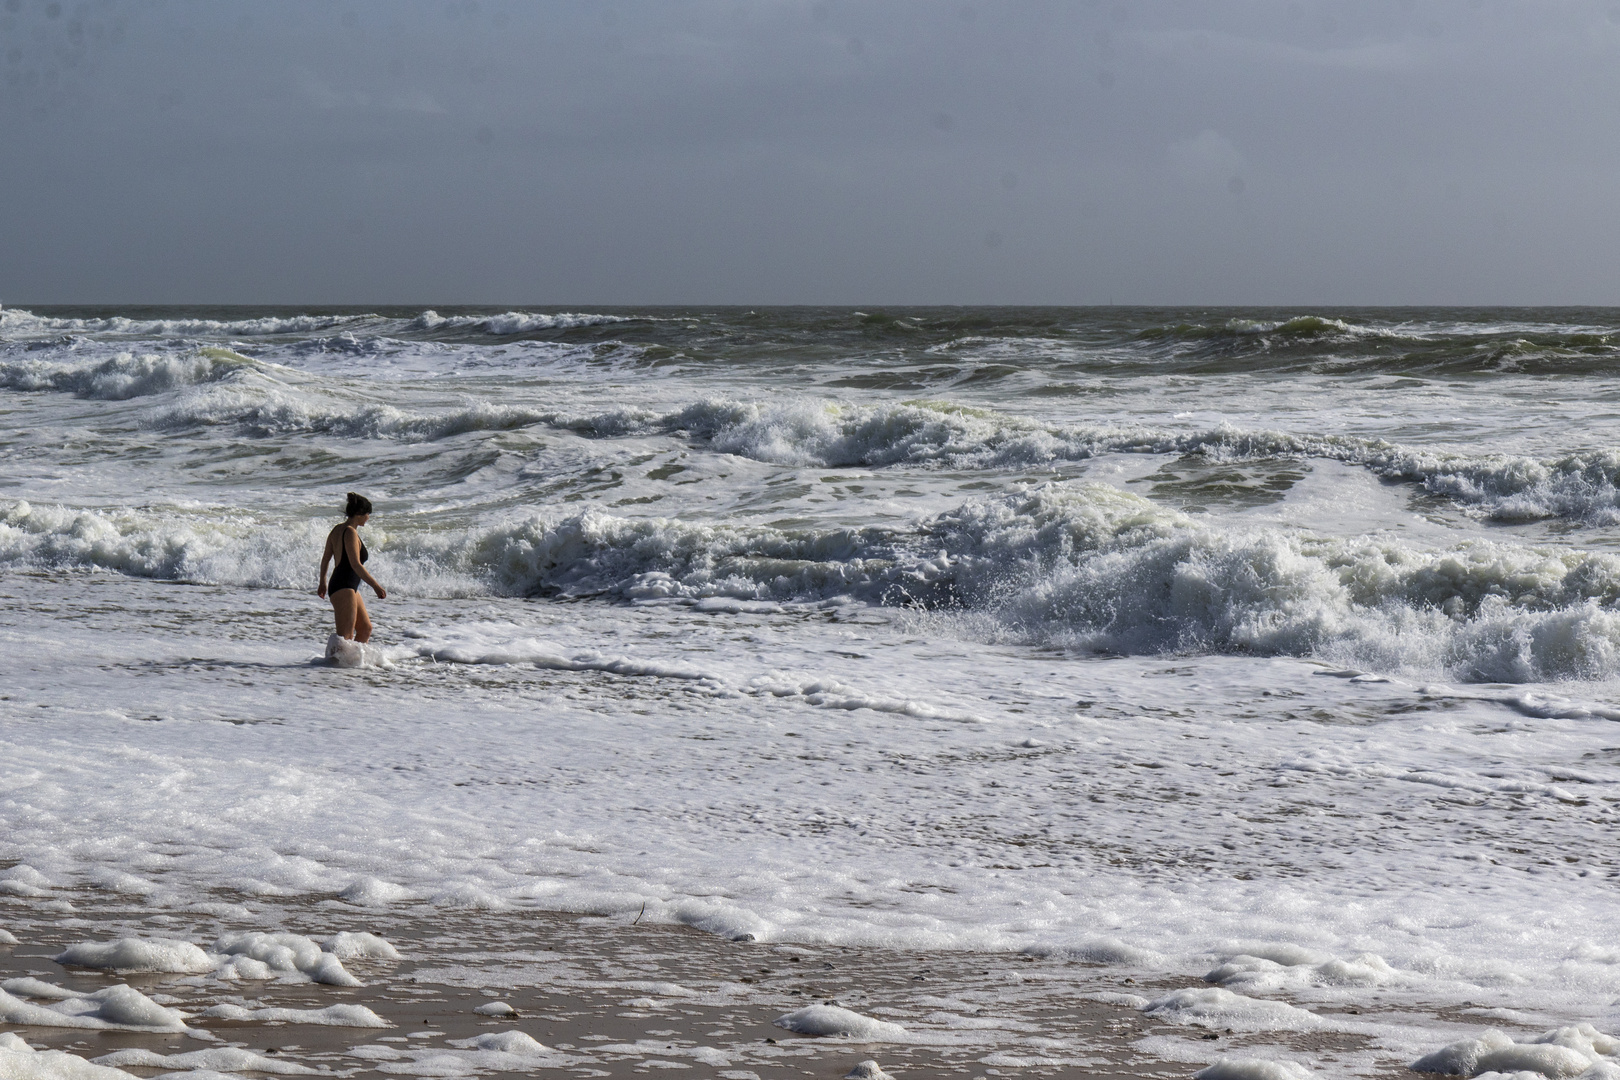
[1300, 326]
[267, 412]
[1076, 565]
[20, 324]
[1508, 488]
[125, 375]
[512, 322]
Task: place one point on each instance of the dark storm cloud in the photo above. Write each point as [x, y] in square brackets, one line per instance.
[818, 151]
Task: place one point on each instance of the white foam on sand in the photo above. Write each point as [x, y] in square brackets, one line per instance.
[1222, 1008]
[360, 945]
[357, 1016]
[225, 1059]
[250, 955]
[1269, 974]
[37, 988]
[113, 1008]
[504, 1051]
[867, 1070]
[368, 891]
[138, 954]
[1576, 1051]
[20, 1061]
[831, 1020]
[1244, 1068]
[283, 954]
[25, 881]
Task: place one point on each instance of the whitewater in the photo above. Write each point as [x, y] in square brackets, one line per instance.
[1276, 652]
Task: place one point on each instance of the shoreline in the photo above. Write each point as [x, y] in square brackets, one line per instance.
[617, 998]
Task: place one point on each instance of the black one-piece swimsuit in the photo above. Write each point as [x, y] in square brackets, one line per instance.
[345, 576]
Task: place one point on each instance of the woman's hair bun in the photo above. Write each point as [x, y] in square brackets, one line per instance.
[358, 504]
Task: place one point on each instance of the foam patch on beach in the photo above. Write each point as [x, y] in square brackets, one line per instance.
[833, 1021]
[355, 1016]
[20, 1061]
[1579, 1050]
[495, 1052]
[1286, 970]
[114, 1008]
[217, 1059]
[1223, 1008]
[249, 955]
[1249, 1068]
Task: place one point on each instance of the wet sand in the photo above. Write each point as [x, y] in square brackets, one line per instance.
[628, 999]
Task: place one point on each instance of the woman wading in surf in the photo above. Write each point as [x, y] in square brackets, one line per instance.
[343, 545]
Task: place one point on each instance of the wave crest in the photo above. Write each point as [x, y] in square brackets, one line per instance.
[1074, 565]
[125, 375]
[1104, 569]
[512, 322]
[19, 323]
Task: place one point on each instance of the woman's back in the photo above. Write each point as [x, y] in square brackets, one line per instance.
[345, 573]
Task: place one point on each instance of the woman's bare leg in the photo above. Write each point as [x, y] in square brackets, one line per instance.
[346, 605]
[362, 620]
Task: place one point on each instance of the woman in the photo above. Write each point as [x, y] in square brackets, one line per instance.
[343, 544]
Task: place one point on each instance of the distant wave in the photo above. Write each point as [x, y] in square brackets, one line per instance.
[1076, 565]
[1329, 345]
[513, 322]
[1300, 326]
[1325, 326]
[20, 324]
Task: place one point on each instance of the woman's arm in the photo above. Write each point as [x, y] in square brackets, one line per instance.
[351, 544]
[326, 557]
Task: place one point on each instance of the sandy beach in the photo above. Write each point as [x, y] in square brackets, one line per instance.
[610, 997]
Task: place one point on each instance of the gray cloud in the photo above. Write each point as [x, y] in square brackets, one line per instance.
[363, 151]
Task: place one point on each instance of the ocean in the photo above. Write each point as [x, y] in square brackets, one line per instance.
[1273, 650]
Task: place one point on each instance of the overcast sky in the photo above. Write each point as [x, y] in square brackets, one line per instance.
[809, 151]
